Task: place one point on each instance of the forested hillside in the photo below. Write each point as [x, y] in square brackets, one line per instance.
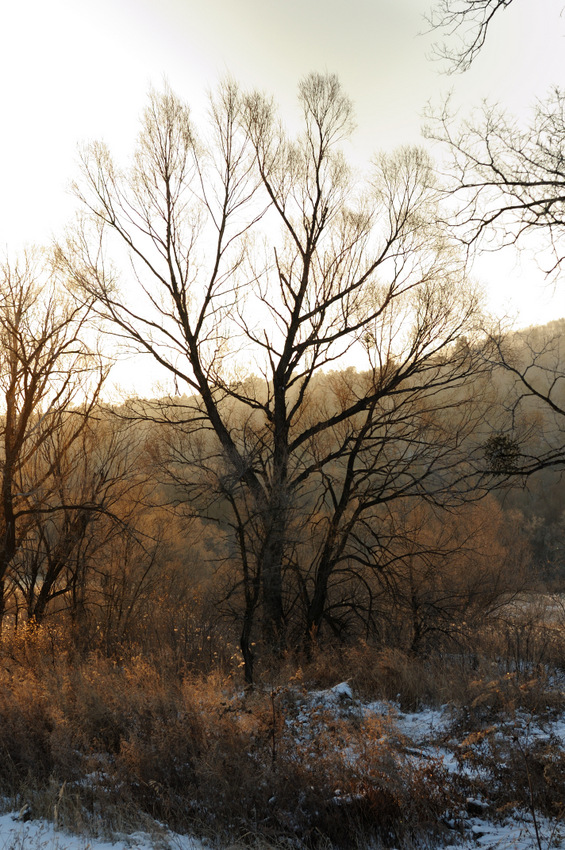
[407, 533]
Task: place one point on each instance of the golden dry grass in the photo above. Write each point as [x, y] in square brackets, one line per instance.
[107, 743]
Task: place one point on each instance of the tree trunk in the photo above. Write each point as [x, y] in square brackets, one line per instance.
[8, 543]
[246, 650]
[317, 606]
[271, 569]
[2, 603]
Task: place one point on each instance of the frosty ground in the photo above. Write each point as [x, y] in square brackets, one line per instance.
[516, 834]
[426, 734]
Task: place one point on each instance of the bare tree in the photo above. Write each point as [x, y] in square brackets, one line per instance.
[510, 180]
[469, 21]
[532, 392]
[245, 313]
[92, 489]
[49, 381]
[420, 444]
[447, 573]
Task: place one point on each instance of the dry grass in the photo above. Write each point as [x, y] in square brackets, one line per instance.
[110, 744]
[98, 744]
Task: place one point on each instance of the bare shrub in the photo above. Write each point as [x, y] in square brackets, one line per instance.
[513, 768]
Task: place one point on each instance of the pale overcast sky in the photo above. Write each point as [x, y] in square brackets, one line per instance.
[75, 70]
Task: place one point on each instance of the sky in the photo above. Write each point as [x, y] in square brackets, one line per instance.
[76, 70]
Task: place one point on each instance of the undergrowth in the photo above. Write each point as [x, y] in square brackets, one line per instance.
[108, 744]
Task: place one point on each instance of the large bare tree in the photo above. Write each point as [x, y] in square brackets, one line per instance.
[257, 261]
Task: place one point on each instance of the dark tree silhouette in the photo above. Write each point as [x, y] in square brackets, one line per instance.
[258, 262]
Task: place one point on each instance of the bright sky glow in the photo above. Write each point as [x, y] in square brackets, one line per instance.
[75, 71]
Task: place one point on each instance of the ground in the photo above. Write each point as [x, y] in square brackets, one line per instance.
[427, 735]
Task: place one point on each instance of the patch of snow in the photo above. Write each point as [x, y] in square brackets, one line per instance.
[41, 835]
[514, 834]
[331, 697]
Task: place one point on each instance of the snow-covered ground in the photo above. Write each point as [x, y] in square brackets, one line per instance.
[422, 730]
[516, 834]
[39, 835]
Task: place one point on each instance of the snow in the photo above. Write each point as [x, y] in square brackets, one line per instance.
[516, 834]
[40, 835]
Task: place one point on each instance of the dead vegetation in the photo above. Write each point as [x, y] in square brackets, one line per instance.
[105, 743]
